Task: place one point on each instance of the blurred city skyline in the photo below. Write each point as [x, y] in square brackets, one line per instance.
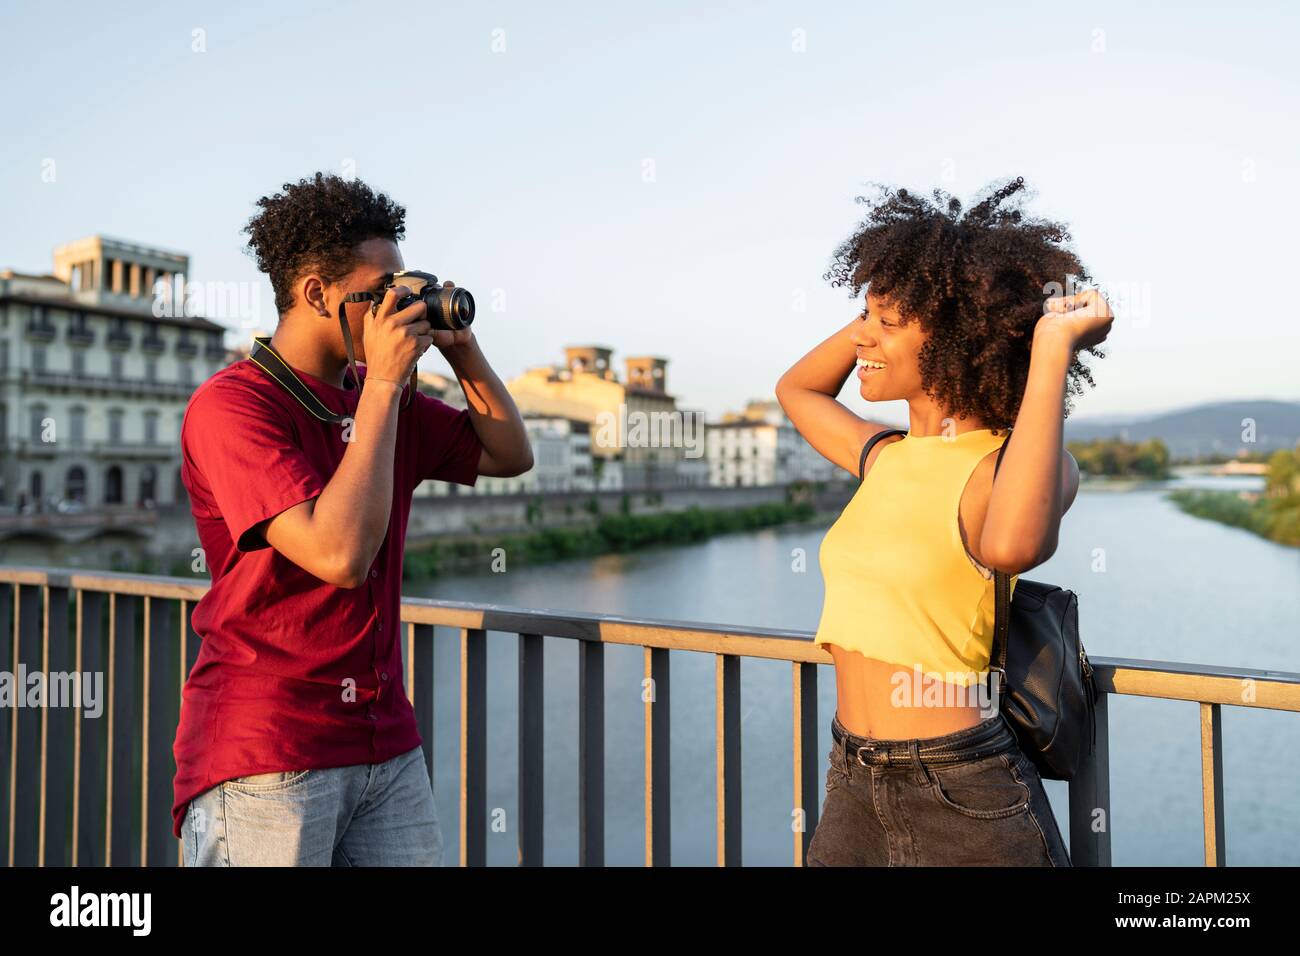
[675, 185]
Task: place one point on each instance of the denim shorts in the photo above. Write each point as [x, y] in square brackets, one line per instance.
[379, 814]
[969, 798]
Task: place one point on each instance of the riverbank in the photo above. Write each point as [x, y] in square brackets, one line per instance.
[1103, 483]
[1277, 518]
[608, 534]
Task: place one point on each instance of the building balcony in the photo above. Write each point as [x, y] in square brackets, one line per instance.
[119, 339]
[40, 330]
[105, 385]
[186, 348]
[28, 449]
[214, 350]
[154, 344]
[133, 450]
[81, 335]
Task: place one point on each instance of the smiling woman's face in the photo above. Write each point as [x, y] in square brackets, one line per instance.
[887, 349]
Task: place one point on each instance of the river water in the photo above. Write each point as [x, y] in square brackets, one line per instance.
[1153, 583]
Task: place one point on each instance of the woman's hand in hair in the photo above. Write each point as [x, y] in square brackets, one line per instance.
[1084, 317]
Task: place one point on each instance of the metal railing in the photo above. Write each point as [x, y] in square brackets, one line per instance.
[82, 791]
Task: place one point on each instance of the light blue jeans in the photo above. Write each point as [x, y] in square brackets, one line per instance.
[365, 815]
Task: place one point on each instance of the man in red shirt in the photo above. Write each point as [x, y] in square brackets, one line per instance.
[297, 744]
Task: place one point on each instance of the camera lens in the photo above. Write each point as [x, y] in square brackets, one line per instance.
[453, 309]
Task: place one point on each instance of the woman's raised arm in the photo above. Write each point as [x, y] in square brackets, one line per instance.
[1033, 488]
[808, 393]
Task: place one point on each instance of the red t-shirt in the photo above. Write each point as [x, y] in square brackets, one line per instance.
[294, 673]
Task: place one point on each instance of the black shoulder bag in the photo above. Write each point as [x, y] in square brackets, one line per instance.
[1046, 691]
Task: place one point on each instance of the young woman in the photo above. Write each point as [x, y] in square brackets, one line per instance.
[965, 321]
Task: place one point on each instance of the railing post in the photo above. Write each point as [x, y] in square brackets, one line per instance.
[183, 638]
[727, 711]
[158, 846]
[591, 753]
[121, 731]
[658, 765]
[1216, 844]
[419, 683]
[7, 632]
[807, 795]
[90, 735]
[1090, 822]
[24, 763]
[56, 731]
[473, 746]
[531, 744]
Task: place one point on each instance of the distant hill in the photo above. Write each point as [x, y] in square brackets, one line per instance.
[1201, 430]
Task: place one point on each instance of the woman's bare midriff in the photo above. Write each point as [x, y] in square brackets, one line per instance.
[868, 705]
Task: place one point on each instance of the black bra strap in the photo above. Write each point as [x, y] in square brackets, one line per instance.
[871, 443]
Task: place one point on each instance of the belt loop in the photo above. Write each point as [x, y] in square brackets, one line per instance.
[914, 750]
[839, 742]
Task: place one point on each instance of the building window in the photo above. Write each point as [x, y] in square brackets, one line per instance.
[38, 358]
[38, 423]
[76, 425]
[148, 486]
[75, 486]
[115, 425]
[78, 362]
[113, 485]
[151, 428]
[115, 367]
[150, 369]
[185, 372]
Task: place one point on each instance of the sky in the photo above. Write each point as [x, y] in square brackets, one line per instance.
[672, 178]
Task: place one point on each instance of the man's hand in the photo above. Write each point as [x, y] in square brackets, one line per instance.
[394, 341]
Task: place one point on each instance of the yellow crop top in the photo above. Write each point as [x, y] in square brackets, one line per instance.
[900, 586]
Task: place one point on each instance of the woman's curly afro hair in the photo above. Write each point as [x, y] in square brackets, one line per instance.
[316, 225]
[977, 283]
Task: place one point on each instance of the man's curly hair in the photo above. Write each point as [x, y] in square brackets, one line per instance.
[977, 283]
[316, 225]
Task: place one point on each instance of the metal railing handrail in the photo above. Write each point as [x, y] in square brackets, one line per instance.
[1208, 685]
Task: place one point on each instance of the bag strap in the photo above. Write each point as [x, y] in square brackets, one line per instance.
[871, 443]
[1001, 606]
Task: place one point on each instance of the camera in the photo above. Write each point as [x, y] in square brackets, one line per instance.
[448, 309]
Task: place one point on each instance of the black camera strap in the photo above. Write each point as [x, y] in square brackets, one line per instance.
[269, 361]
[347, 343]
[347, 331]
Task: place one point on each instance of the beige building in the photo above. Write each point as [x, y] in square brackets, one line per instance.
[561, 460]
[760, 446]
[635, 425]
[93, 383]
